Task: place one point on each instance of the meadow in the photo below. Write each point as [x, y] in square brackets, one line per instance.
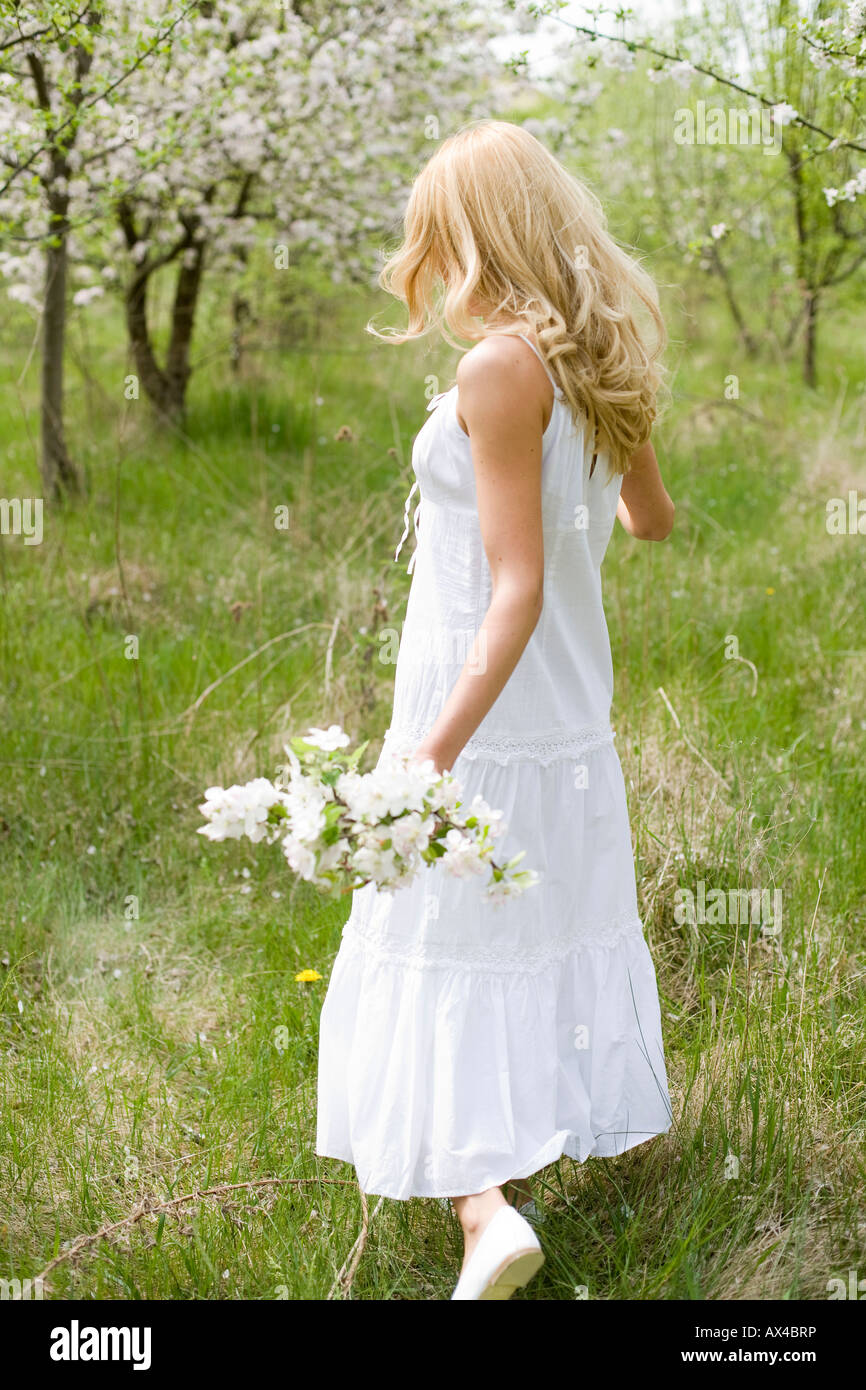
[156, 1042]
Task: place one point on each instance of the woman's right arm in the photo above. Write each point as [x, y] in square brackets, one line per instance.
[645, 509]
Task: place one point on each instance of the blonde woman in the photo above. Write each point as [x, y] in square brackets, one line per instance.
[464, 1047]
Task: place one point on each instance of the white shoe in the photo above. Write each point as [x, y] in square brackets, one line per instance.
[505, 1258]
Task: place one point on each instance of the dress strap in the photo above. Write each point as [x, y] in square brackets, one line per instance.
[557, 389]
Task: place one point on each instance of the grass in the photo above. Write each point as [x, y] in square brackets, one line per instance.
[155, 1040]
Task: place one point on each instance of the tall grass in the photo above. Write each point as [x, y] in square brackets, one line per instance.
[156, 1042]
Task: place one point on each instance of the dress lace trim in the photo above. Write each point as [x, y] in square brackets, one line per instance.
[544, 748]
[495, 959]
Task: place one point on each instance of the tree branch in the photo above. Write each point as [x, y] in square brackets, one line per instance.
[643, 47]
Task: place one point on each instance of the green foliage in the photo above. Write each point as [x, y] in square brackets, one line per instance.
[155, 1038]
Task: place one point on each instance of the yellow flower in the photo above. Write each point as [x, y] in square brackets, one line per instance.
[306, 976]
[771, 591]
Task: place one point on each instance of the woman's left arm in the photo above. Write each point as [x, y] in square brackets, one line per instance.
[502, 399]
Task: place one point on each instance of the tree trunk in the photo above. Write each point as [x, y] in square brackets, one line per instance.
[177, 367]
[806, 275]
[150, 374]
[58, 471]
[165, 387]
[810, 354]
[240, 318]
[749, 345]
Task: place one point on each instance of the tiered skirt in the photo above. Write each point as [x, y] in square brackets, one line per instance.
[464, 1044]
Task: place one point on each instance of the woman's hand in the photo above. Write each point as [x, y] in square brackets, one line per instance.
[427, 750]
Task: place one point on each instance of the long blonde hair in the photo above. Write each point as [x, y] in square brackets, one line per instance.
[494, 218]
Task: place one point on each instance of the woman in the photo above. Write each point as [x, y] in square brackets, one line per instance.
[464, 1047]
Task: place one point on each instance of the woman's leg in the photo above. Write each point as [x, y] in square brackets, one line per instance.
[474, 1212]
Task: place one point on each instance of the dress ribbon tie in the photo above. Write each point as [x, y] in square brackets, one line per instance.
[406, 507]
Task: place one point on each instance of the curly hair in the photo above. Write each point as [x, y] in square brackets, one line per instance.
[494, 219]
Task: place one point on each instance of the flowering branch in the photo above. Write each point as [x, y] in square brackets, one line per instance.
[642, 46]
[341, 829]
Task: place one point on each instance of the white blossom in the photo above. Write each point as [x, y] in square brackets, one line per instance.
[682, 72]
[854, 188]
[328, 739]
[300, 857]
[379, 826]
[462, 857]
[84, 296]
[411, 833]
[855, 20]
[238, 811]
[487, 816]
[783, 113]
[616, 55]
[374, 862]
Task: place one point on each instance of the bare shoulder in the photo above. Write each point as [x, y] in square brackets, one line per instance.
[503, 373]
[502, 355]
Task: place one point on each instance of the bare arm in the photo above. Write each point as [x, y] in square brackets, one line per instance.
[503, 398]
[645, 509]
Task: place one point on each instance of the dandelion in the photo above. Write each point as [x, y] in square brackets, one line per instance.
[306, 977]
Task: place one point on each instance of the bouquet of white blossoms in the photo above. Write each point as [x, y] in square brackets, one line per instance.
[341, 829]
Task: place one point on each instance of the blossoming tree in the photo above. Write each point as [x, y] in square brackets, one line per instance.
[62, 64]
[796, 71]
[169, 139]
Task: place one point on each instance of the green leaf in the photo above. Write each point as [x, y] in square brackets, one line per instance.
[354, 758]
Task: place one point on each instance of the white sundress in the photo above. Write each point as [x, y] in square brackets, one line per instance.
[462, 1043]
